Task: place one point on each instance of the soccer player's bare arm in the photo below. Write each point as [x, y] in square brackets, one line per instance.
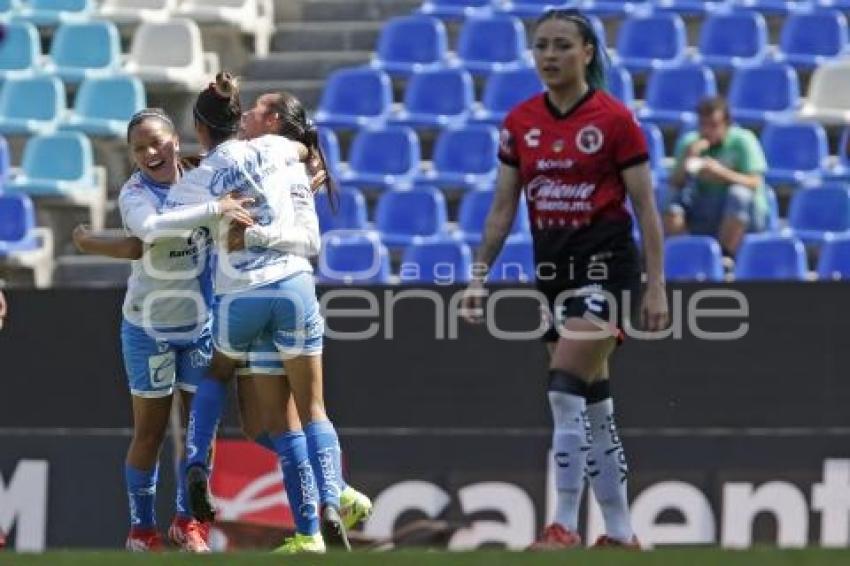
[108, 245]
[501, 216]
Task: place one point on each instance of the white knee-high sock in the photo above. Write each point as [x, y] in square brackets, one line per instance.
[569, 449]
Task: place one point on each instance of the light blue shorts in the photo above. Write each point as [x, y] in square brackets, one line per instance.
[263, 358]
[156, 364]
[286, 310]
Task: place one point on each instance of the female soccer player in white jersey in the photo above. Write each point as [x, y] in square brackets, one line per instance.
[165, 333]
[260, 289]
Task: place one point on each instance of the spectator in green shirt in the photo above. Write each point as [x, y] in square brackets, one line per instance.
[717, 186]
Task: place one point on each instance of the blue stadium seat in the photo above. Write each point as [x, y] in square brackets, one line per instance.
[515, 263]
[833, 4]
[354, 259]
[816, 212]
[767, 93]
[473, 213]
[17, 224]
[402, 216]
[5, 163]
[31, 105]
[443, 261]
[673, 94]
[503, 91]
[464, 158]
[811, 39]
[651, 42]
[655, 143]
[104, 106]
[834, 260]
[620, 84]
[771, 257]
[8, 6]
[772, 7]
[797, 153]
[492, 44]
[20, 51]
[85, 50]
[353, 98]
[773, 220]
[59, 164]
[436, 99]
[615, 8]
[329, 144]
[411, 44]
[691, 7]
[456, 9]
[733, 39]
[56, 12]
[350, 212]
[386, 159]
[841, 170]
[525, 8]
[693, 258]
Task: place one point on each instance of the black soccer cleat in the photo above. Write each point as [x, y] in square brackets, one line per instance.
[198, 494]
[333, 529]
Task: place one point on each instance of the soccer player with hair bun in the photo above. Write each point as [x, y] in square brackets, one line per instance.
[577, 153]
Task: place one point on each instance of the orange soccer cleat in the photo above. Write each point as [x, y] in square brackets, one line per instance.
[144, 540]
[556, 537]
[189, 534]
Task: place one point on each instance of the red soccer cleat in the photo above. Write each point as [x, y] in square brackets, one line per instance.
[556, 537]
[2, 540]
[189, 534]
[605, 541]
[144, 540]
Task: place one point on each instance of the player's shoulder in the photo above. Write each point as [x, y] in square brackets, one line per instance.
[612, 105]
[134, 186]
[528, 107]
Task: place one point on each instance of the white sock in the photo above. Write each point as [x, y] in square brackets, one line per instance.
[569, 449]
[607, 470]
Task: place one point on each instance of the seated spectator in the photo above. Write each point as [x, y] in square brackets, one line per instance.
[717, 186]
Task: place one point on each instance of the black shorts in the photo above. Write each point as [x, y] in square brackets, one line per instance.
[602, 288]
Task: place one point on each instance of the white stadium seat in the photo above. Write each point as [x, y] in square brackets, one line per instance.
[252, 17]
[827, 101]
[137, 11]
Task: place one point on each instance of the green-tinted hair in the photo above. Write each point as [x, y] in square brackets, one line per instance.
[595, 71]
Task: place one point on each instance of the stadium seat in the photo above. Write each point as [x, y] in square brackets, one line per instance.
[525, 8]
[655, 143]
[615, 8]
[515, 263]
[827, 100]
[840, 171]
[436, 99]
[411, 44]
[834, 259]
[137, 11]
[651, 41]
[184, 65]
[60, 166]
[329, 144]
[833, 4]
[31, 106]
[350, 213]
[21, 242]
[811, 39]
[772, 7]
[691, 7]
[104, 106]
[770, 257]
[767, 93]
[773, 220]
[503, 91]
[464, 158]
[386, 159]
[443, 261]
[492, 44]
[251, 17]
[456, 9]
[353, 98]
[693, 258]
[5, 163]
[673, 94]
[354, 259]
[473, 213]
[20, 51]
[816, 212]
[620, 84]
[55, 12]
[797, 153]
[734, 39]
[402, 216]
[85, 50]
[7, 7]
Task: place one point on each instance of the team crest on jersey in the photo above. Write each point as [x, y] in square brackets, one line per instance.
[532, 137]
[589, 139]
[558, 146]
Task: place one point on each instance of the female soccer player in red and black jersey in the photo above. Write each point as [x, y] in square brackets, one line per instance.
[577, 153]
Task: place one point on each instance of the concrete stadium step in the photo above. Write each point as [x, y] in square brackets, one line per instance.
[308, 92]
[356, 10]
[325, 36]
[303, 66]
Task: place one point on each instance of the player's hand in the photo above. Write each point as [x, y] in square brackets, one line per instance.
[3, 310]
[697, 147]
[471, 308]
[655, 314]
[318, 179]
[236, 237]
[80, 235]
[712, 170]
[233, 208]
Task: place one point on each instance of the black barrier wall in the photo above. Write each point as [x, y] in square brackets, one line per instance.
[730, 440]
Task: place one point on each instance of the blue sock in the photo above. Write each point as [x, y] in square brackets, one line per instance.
[207, 405]
[181, 509]
[141, 491]
[265, 440]
[298, 480]
[323, 447]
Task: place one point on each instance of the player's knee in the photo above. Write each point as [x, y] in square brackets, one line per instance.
[147, 441]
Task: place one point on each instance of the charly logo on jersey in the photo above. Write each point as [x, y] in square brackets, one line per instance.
[532, 137]
[589, 139]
